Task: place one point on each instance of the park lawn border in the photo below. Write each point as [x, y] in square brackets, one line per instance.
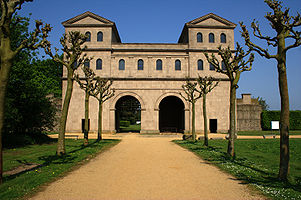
[79, 164]
[261, 133]
[252, 189]
[259, 178]
[58, 170]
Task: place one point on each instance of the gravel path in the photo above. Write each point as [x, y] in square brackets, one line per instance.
[146, 168]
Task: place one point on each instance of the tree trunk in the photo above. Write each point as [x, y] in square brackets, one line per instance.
[193, 121]
[4, 76]
[99, 137]
[232, 130]
[284, 118]
[61, 140]
[86, 128]
[205, 120]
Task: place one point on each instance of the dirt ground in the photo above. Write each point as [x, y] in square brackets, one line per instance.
[146, 167]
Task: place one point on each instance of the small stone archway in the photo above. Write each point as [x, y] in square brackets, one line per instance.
[173, 113]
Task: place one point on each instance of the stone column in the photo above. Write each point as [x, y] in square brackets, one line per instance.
[187, 121]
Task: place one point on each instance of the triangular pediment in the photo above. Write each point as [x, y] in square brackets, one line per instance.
[89, 19]
[211, 20]
[207, 21]
[86, 19]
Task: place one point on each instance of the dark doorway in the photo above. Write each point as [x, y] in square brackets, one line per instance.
[213, 125]
[127, 115]
[171, 115]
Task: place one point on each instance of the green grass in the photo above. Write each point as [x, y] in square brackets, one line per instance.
[51, 166]
[131, 128]
[256, 163]
[261, 133]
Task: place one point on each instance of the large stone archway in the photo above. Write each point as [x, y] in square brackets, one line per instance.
[171, 115]
[185, 112]
[127, 114]
[114, 102]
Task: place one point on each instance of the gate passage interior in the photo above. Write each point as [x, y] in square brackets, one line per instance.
[171, 115]
[127, 114]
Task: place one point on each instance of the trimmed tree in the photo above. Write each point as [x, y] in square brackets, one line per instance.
[232, 65]
[284, 26]
[102, 92]
[87, 86]
[192, 95]
[206, 84]
[72, 48]
[7, 52]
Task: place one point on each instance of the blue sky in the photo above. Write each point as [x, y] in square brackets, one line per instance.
[161, 21]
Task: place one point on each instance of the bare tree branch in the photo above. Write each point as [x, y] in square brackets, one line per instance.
[206, 84]
[101, 89]
[191, 91]
[72, 47]
[252, 46]
[257, 33]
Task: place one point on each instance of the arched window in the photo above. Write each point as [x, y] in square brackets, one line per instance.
[140, 64]
[99, 64]
[121, 64]
[200, 64]
[211, 38]
[159, 64]
[212, 67]
[199, 37]
[88, 35]
[223, 38]
[87, 63]
[223, 66]
[99, 36]
[178, 65]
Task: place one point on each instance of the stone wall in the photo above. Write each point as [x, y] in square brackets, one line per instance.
[248, 114]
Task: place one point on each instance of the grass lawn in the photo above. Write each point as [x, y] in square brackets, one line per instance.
[131, 128]
[261, 133]
[257, 164]
[51, 166]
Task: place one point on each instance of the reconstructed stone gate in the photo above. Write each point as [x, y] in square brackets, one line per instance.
[153, 73]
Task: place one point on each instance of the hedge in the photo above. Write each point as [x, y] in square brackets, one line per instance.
[125, 123]
[268, 116]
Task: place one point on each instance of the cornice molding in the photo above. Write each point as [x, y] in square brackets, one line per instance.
[151, 79]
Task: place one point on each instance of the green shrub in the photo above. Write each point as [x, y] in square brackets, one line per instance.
[19, 140]
[295, 120]
[268, 116]
[125, 123]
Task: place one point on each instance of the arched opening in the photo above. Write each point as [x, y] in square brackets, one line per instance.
[127, 114]
[171, 115]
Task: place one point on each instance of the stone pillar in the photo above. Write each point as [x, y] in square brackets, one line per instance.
[112, 121]
[148, 125]
[187, 121]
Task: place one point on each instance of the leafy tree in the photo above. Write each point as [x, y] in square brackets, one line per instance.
[102, 92]
[262, 102]
[285, 28]
[72, 48]
[87, 86]
[8, 52]
[48, 76]
[234, 65]
[27, 109]
[206, 85]
[192, 95]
